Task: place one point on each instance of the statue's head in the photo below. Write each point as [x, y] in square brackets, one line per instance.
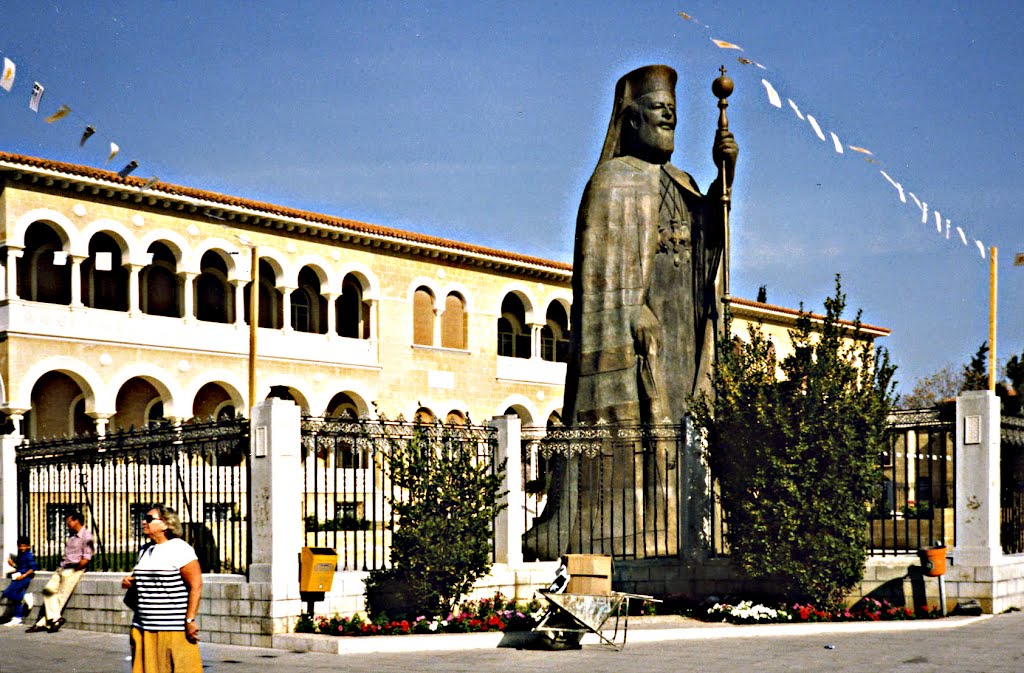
[644, 118]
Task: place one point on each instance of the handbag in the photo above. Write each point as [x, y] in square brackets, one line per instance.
[131, 598]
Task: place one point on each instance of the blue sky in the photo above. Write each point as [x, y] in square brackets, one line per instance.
[482, 122]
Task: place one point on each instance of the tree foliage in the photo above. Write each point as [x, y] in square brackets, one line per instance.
[797, 455]
[445, 498]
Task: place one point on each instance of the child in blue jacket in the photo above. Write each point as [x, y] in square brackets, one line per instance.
[24, 567]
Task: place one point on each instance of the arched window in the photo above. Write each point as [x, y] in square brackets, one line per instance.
[423, 317]
[308, 305]
[353, 314]
[44, 273]
[554, 336]
[58, 408]
[104, 278]
[159, 284]
[513, 333]
[135, 404]
[214, 298]
[271, 306]
[343, 406]
[453, 322]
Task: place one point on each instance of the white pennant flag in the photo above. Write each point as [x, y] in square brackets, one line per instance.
[795, 109]
[981, 248]
[114, 149]
[817, 129]
[7, 80]
[37, 96]
[773, 95]
[835, 141]
[963, 236]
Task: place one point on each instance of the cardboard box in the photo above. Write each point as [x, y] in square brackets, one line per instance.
[588, 574]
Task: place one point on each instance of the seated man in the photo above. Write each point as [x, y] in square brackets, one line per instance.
[78, 551]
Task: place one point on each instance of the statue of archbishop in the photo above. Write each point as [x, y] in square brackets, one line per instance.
[646, 282]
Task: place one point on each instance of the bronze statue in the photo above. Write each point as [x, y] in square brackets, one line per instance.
[647, 287]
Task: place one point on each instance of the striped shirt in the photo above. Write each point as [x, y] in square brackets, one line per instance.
[163, 594]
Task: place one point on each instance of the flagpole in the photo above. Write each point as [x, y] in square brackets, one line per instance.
[993, 282]
[722, 87]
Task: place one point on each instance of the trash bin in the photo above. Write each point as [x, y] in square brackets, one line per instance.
[933, 560]
[316, 569]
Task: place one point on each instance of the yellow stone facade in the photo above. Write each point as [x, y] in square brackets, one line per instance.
[97, 337]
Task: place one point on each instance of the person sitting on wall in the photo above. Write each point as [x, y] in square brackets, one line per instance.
[78, 551]
[24, 564]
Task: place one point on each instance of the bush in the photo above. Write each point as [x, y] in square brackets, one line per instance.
[445, 501]
[797, 457]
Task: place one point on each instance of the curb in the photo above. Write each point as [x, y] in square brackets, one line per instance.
[456, 642]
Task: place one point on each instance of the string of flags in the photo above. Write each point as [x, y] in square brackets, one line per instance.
[943, 225]
[7, 82]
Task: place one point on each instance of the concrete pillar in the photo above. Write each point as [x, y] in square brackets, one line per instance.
[977, 479]
[276, 506]
[76, 280]
[332, 314]
[509, 525]
[535, 341]
[13, 254]
[9, 493]
[286, 308]
[188, 296]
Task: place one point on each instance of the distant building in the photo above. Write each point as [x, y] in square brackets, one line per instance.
[122, 306]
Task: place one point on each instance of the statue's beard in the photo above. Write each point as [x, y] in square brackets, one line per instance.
[655, 143]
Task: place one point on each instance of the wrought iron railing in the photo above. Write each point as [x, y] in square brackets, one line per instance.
[604, 489]
[1011, 495]
[347, 495]
[915, 502]
[201, 470]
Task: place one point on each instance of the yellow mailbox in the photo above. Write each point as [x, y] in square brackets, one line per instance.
[316, 568]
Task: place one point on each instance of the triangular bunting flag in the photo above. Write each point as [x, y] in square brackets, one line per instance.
[773, 95]
[62, 111]
[722, 44]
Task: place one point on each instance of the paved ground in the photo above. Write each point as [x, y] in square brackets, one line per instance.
[993, 645]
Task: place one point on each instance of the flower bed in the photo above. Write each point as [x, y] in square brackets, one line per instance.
[868, 610]
[488, 614]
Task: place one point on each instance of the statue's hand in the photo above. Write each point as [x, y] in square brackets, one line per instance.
[725, 150]
[645, 333]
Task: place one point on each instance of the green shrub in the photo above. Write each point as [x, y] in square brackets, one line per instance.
[797, 456]
[445, 502]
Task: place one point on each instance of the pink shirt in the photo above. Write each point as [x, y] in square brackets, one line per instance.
[78, 546]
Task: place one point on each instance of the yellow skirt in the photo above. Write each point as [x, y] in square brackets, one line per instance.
[164, 652]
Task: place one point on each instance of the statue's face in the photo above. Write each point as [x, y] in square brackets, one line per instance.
[655, 122]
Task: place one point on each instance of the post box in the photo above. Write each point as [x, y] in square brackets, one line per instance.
[316, 569]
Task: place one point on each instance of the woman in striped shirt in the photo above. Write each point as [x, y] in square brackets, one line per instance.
[165, 636]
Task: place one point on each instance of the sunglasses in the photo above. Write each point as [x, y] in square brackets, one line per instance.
[149, 518]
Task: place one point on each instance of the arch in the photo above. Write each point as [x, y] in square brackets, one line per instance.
[461, 290]
[210, 399]
[57, 407]
[563, 297]
[424, 415]
[59, 221]
[308, 305]
[102, 287]
[174, 241]
[423, 316]
[317, 264]
[97, 398]
[513, 328]
[352, 311]
[134, 402]
[369, 280]
[554, 335]
[122, 235]
[283, 390]
[454, 322]
[428, 284]
[214, 295]
[39, 277]
[271, 308]
[160, 286]
[521, 405]
[153, 375]
[524, 294]
[232, 382]
[229, 252]
[355, 391]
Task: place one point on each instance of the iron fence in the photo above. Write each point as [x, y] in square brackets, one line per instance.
[603, 489]
[201, 470]
[1011, 489]
[915, 502]
[347, 494]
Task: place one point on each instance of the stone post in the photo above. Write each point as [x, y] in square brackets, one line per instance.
[977, 479]
[509, 525]
[9, 494]
[276, 506]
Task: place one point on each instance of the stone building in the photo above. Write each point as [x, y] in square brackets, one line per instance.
[122, 304]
